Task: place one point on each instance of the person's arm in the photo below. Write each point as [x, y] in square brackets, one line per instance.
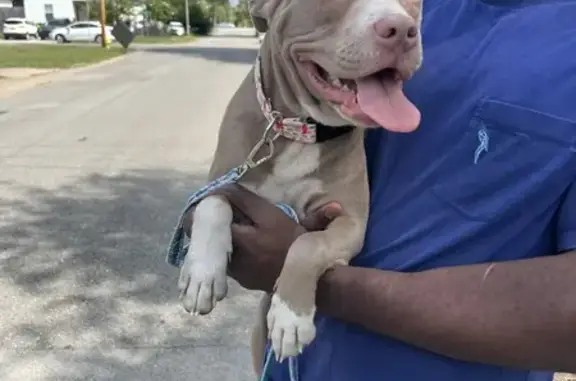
[519, 313]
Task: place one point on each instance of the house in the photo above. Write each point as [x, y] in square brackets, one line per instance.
[41, 11]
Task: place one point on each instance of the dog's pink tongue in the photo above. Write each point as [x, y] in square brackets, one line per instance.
[383, 100]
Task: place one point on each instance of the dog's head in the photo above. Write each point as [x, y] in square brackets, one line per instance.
[346, 60]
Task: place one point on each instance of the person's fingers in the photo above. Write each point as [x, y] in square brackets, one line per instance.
[322, 217]
[251, 205]
[243, 234]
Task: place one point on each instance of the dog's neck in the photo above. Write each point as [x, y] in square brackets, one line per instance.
[281, 118]
[276, 84]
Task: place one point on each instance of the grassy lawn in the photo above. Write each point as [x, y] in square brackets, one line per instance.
[53, 56]
[163, 39]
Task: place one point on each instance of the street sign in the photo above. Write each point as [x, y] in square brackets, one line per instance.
[122, 34]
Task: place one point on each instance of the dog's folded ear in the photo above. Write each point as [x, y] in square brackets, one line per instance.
[260, 24]
[261, 12]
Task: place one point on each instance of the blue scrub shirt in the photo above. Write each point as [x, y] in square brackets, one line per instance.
[488, 176]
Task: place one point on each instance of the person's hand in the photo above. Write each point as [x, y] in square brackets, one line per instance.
[261, 245]
[262, 235]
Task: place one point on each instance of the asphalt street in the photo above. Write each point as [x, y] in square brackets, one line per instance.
[94, 170]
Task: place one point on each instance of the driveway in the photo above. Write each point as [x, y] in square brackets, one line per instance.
[94, 170]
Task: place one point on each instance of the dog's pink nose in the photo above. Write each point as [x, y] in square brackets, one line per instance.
[397, 30]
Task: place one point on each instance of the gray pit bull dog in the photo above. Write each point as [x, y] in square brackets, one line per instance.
[336, 63]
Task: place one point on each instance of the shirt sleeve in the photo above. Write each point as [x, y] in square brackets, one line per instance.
[566, 236]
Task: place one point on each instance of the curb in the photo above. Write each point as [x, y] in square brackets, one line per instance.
[9, 87]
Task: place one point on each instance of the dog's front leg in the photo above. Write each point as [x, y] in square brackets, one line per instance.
[203, 279]
[290, 319]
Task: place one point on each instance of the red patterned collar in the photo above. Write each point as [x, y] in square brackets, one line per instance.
[302, 130]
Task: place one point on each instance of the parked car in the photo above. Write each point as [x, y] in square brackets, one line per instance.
[18, 27]
[175, 28]
[45, 29]
[81, 31]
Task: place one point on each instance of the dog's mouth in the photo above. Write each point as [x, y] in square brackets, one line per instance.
[371, 100]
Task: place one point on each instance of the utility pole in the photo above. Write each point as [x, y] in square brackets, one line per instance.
[103, 22]
[187, 15]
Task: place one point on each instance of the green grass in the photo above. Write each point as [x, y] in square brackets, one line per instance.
[54, 56]
[163, 39]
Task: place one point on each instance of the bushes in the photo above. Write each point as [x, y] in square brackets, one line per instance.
[201, 27]
[200, 22]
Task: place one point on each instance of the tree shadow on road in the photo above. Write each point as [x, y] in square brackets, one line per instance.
[87, 294]
[216, 53]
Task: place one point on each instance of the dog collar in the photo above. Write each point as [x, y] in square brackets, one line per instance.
[302, 130]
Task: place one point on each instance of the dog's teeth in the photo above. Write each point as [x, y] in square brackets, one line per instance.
[336, 82]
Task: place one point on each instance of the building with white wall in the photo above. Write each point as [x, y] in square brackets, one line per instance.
[41, 11]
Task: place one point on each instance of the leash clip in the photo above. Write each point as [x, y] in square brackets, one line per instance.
[267, 142]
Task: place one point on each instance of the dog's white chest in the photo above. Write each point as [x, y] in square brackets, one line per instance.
[291, 181]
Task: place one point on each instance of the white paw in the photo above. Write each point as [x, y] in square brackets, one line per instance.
[203, 278]
[288, 331]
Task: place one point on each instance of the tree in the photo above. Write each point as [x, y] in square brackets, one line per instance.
[221, 13]
[161, 10]
[199, 11]
[242, 14]
[115, 10]
[218, 10]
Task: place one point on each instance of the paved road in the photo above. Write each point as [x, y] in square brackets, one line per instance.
[239, 32]
[93, 172]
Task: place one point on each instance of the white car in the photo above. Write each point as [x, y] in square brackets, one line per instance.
[17, 27]
[175, 28]
[81, 31]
